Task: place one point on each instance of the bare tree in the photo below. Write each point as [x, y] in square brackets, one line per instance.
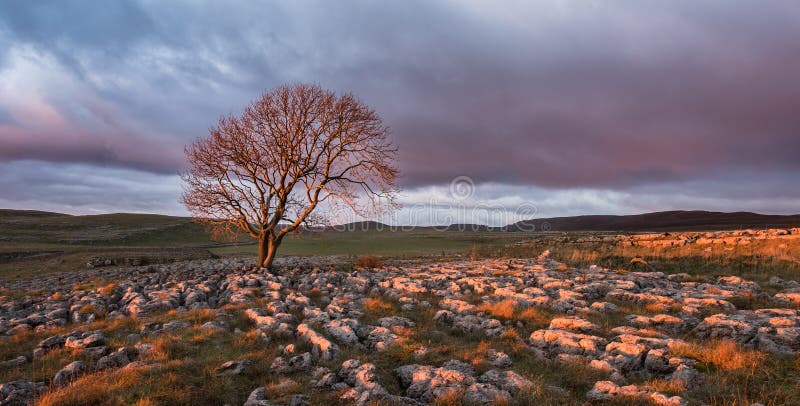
[295, 148]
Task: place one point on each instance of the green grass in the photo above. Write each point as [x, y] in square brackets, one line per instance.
[395, 244]
[36, 243]
[49, 243]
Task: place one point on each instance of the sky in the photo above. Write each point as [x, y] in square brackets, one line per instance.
[532, 109]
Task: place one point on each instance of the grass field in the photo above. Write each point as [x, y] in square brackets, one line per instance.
[44, 243]
[394, 244]
[35, 243]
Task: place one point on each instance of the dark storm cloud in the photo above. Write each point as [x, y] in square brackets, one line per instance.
[551, 94]
[618, 109]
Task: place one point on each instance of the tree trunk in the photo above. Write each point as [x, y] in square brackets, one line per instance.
[267, 247]
[272, 248]
[263, 246]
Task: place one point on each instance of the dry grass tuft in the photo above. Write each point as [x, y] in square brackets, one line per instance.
[501, 310]
[655, 308]
[375, 304]
[473, 255]
[535, 317]
[510, 334]
[477, 354]
[368, 262]
[251, 337]
[89, 394]
[578, 255]
[723, 355]
[108, 289]
[283, 387]
[94, 389]
[665, 386]
[167, 347]
[86, 309]
[200, 316]
[315, 294]
[449, 398]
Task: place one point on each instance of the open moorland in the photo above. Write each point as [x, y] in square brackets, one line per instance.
[135, 311]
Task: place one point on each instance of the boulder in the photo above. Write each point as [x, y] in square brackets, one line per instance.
[258, 397]
[20, 393]
[232, 367]
[117, 359]
[343, 330]
[498, 359]
[322, 348]
[555, 342]
[508, 381]
[69, 373]
[86, 340]
[607, 390]
[14, 362]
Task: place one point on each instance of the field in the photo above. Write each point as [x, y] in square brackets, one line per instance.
[38, 243]
[46, 243]
[441, 317]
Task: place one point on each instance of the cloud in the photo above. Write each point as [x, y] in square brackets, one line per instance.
[52, 117]
[499, 204]
[87, 189]
[553, 96]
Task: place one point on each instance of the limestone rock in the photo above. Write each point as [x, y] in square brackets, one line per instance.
[69, 373]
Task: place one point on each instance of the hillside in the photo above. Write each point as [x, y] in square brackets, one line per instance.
[141, 229]
[25, 226]
[359, 226]
[660, 221]
[28, 213]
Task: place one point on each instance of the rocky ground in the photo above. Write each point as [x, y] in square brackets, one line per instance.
[468, 332]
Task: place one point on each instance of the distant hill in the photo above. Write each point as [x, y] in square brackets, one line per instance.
[29, 213]
[132, 228]
[359, 226]
[28, 226]
[660, 221]
[469, 227]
